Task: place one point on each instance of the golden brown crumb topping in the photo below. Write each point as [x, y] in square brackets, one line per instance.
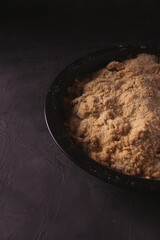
[115, 115]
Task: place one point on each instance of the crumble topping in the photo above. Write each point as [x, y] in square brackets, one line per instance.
[114, 115]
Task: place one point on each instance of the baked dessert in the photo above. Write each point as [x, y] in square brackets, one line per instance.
[114, 115]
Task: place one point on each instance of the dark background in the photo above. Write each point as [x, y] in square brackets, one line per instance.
[43, 196]
[51, 4]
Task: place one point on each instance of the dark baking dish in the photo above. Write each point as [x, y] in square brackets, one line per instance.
[54, 114]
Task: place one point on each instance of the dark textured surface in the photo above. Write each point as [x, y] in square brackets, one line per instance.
[43, 196]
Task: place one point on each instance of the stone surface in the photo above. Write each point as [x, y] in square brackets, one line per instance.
[43, 196]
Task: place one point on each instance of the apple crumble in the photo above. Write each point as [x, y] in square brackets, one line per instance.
[114, 115]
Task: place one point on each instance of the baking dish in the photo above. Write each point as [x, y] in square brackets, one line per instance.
[54, 114]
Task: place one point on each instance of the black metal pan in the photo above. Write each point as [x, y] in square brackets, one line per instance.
[54, 115]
